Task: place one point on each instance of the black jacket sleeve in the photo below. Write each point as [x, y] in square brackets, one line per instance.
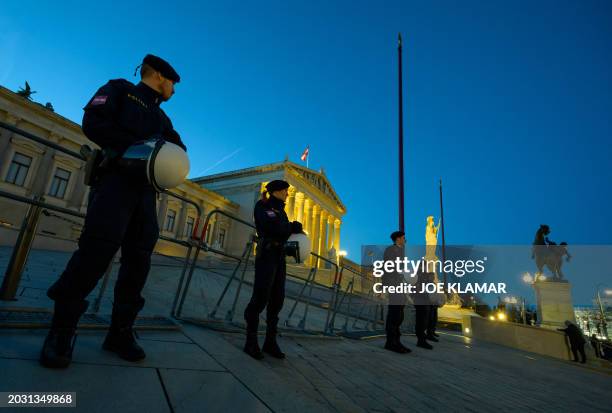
[271, 222]
[171, 135]
[100, 119]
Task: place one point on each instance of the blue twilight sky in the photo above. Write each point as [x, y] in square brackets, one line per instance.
[507, 101]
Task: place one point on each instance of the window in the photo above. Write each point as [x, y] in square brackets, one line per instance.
[221, 237]
[18, 171]
[189, 226]
[170, 218]
[59, 183]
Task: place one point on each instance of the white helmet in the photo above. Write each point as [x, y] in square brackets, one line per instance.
[300, 245]
[163, 164]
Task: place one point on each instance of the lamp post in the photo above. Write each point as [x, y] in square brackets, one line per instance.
[602, 314]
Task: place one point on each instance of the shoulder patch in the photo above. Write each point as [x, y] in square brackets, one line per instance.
[271, 214]
[99, 100]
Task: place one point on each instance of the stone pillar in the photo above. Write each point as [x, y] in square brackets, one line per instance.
[314, 231]
[290, 205]
[182, 219]
[337, 224]
[5, 139]
[322, 239]
[298, 211]
[162, 211]
[307, 218]
[330, 232]
[79, 189]
[43, 172]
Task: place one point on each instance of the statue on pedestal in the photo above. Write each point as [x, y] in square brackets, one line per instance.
[548, 253]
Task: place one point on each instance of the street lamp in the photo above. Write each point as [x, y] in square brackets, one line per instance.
[341, 253]
[602, 314]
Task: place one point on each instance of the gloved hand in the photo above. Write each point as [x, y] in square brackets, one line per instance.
[296, 227]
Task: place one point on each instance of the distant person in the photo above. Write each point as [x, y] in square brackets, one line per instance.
[595, 343]
[397, 302]
[423, 311]
[576, 340]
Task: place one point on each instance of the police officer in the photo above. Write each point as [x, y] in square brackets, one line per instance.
[397, 302]
[273, 230]
[121, 213]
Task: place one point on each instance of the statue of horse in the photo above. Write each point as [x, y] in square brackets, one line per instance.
[548, 253]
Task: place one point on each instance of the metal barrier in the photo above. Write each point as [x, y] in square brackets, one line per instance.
[27, 232]
[336, 295]
[349, 294]
[310, 282]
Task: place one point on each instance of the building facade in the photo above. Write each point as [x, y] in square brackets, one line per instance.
[312, 201]
[31, 169]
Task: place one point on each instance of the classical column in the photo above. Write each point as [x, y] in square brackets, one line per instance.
[182, 219]
[330, 231]
[43, 172]
[162, 211]
[337, 223]
[298, 211]
[314, 231]
[5, 139]
[307, 218]
[79, 189]
[322, 239]
[290, 205]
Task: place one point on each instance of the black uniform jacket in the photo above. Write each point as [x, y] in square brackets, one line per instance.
[121, 113]
[271, 221]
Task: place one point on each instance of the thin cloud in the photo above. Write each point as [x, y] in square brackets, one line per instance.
[220, 161]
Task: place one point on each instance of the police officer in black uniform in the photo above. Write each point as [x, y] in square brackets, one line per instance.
[273, 230]
[397, 301]
[121, 213]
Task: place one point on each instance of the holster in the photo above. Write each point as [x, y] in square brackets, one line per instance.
[96, 161]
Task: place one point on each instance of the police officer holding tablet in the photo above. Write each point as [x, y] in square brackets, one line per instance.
[121, 213]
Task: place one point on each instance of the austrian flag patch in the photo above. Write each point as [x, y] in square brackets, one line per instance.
[99, 100]
[271, 214]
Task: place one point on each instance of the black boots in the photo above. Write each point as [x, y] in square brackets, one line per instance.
[421, 342]
[120, 338]
[394, 344]
[270, 345]
[251, 347]
[58, 346]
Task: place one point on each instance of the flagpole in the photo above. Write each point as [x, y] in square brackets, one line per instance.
[442, 223]
[401, 136]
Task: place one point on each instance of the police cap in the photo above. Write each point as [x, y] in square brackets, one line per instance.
[163, 67]
[276, 185]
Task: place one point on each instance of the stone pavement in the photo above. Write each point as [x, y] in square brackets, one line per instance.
[201, 370]
[195, 369]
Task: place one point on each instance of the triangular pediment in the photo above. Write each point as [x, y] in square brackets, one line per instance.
[318, 180]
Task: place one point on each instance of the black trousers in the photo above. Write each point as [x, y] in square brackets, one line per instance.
[121, 214]
[422, 313]
[395, 318]
[578, 348]
[432, 320]
[268, 288]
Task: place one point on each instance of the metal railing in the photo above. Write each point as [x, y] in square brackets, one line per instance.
[22, 247]
[336, 294]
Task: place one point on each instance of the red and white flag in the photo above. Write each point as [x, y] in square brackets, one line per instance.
[305, 154]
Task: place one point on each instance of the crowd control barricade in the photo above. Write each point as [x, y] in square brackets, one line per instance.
[37, 206]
